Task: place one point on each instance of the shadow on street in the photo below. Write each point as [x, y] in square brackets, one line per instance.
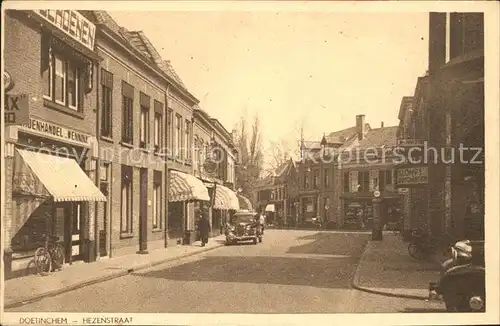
[317, 272]
[331, 244]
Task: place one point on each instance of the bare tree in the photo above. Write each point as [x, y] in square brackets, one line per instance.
[251, 157]
[282, 150]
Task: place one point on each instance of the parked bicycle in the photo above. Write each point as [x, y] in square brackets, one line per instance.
[50, 257]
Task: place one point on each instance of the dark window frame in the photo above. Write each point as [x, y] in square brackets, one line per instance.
[127, 228]
[106, 104]
[127, 113]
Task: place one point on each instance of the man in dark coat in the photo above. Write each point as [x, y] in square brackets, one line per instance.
[204, 228]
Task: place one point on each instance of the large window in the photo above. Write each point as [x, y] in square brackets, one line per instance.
[63, 82]
[157, 195]
[347, 182]
[170, 133]
[126, 201]
[316, 179]
[145, 105]
[178, 136]
[127, 113]
[364, 180]
[187, 141]
[158, 125]
[106, 104]
[306, 179]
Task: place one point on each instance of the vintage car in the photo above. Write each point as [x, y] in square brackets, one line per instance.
[243, 227]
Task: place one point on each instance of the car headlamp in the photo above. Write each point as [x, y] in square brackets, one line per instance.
[454, 254]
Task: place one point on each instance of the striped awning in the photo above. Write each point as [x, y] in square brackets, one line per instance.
[185, 187]
[225, 198]
[63, 179]
[270, 208]
[244, 203]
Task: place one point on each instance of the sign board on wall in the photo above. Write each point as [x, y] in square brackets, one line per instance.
[410, 142]
[16, 109]
[72, 23]
[411, 176]
[55, 131]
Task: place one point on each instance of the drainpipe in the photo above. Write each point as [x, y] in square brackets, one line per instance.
[98, 163]
[167, 174]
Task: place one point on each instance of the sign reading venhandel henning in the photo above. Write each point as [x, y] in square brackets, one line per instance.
[72, 23]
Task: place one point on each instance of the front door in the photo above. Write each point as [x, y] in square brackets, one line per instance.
[74, 231]
[143, 214]
[103, 224]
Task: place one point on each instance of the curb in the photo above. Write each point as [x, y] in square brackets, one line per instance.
[100, 279]
[355, 280]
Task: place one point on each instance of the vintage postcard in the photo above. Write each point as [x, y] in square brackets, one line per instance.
[250, 162]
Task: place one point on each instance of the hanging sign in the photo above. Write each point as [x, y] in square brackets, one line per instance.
[16, 109]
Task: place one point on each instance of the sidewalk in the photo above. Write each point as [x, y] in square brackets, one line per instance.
[386, 268]
[22, 290]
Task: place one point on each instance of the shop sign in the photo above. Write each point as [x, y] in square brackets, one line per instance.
[403, 191]
[72, 23]
[410, 142]
[16, 109]
[411, 176]
[56, 132]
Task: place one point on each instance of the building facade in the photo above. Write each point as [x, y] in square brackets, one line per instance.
[131, 119]
[320, 177]
[52, 58]
[277, 195]
[214, 163]
[366, 168]
[455, 113]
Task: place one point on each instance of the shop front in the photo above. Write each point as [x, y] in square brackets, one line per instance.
[50, 196]
[358, 209]
[185, 194]
[224, 205]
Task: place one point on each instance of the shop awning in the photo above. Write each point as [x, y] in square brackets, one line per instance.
[63, 179]
[225, 198]
[244, 203]
[185, 187]
[270, 208]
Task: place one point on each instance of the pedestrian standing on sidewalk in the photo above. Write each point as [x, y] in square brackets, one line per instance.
[204, 229]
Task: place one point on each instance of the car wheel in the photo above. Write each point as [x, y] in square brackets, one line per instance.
[254, 241]
[260, 239]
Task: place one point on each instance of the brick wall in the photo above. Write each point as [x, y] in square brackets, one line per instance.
[23, 61]
[127, 69]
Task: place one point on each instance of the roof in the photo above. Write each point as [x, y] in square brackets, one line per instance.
[379, 137]
[339, 137]
[266, 181]
[140, 43]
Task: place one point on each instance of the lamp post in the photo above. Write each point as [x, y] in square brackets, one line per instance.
[377, 223]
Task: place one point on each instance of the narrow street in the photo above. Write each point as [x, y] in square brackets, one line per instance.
[290, 272]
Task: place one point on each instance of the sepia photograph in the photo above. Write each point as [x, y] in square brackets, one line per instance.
[250, 162]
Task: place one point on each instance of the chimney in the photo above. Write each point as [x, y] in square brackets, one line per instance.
[437, 41]
[382, 124]
[234, 136]
[360, 126]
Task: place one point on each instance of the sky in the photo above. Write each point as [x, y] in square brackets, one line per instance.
[323, 68]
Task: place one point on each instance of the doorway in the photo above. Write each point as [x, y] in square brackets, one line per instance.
[103, 223]
[143, 214]
[73, 226]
